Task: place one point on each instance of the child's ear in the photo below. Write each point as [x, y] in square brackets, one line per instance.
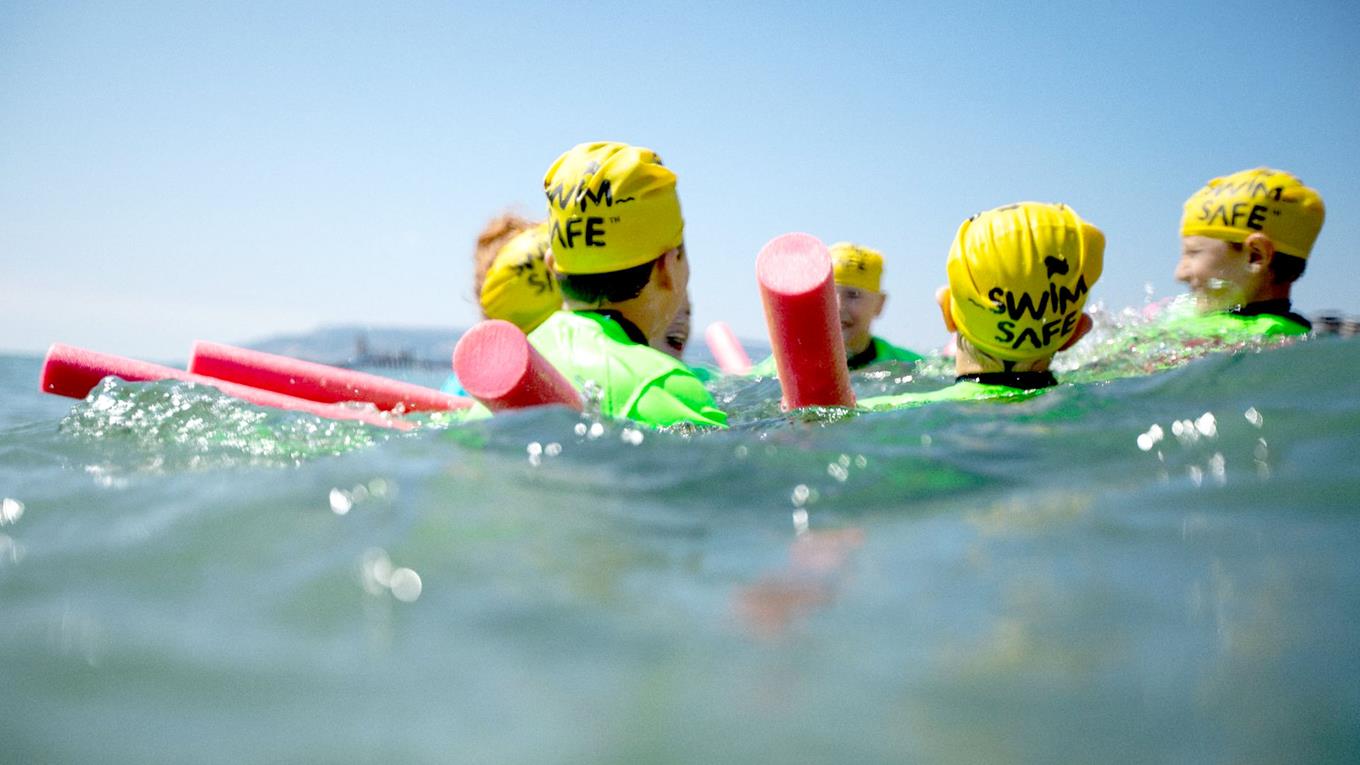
[946, 302]
[665, 268]
[1260, 251]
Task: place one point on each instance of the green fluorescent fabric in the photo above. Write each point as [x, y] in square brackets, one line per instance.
[634, 381]
[960, 391]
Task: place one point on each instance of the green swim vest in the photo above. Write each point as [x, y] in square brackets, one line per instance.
[1232, 326]
[959, 391]
[877, 352]
[882, 351]
[635, 382]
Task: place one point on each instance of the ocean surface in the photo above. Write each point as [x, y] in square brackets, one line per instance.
[1154, 562]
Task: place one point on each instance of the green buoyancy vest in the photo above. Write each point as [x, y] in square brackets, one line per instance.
[635, 382]
[1232, 327]
[960, 391]
[883, 351]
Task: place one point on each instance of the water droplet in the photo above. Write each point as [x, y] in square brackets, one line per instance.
[376, 570]
[1185, 431]
[1254, 417]
[631, 436]
[11, 510]
[1196, 475]
[596, 430]
[741, 452]
[861, 461]
[800, 495]
[800, 521]
[405, 585]
[1218, 468]
[580, 429]
[340, 501]
[1152, 437]
[553, 449]
[925, 439]
[1207, 425]
[837, 471]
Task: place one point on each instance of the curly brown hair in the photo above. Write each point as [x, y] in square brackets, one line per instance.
[494, 235]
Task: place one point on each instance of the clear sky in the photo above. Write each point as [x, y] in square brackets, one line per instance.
[233, 170]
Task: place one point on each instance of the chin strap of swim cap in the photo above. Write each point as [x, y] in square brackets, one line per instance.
[1272, 202]
[1019, 277]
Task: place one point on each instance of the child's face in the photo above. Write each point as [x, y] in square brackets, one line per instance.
[858, 310]
[1216, 271]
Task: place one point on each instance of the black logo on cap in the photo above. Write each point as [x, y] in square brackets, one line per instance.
[1055, 266]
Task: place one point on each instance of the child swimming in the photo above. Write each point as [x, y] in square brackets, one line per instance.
[1019, 277]
[858, 272]
[617, 250]
[1245, 240]
[858, 275]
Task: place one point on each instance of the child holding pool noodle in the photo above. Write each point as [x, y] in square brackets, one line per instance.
[858, 273]
[617, 250]
[1019, 276]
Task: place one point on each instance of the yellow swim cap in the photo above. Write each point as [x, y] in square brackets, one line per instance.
[612, 206]
[518, 287]
[1019, 276]
[856, 266]
[1270, 201]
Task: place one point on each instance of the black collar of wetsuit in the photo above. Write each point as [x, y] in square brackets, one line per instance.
[865, 357]
[1282, 307]
[1017, 380]
[629, 328]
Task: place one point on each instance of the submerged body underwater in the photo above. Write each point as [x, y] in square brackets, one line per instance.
[1153, 561]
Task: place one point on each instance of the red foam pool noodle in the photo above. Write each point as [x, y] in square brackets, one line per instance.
[74, 372]
[315, 382]
[798, 289]
[497, 366]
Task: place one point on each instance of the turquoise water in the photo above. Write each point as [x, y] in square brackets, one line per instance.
[1152, 569]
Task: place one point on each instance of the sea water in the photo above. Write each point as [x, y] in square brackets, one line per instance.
[1151, 568]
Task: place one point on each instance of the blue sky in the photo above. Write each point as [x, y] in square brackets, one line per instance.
[170, 171]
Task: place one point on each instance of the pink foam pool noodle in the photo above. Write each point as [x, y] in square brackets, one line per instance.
[726, 349]
[799, 293]
[74, 372]
[315, 382]
[496, 365]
